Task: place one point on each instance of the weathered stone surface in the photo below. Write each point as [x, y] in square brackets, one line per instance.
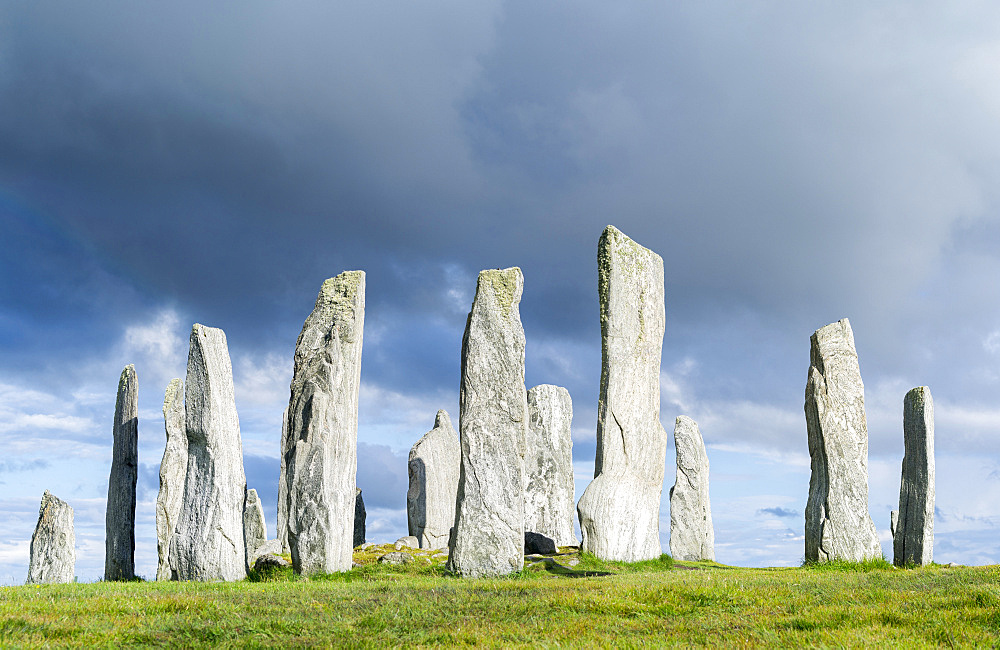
[407, 542]
[173, 469]
[321, 462]
[270, 547]
[838, 526]
[396, 557]
[360, 515]
[493, 418]
[620, 510]
[53, 545]
[538, 543]
[286, 446]
[692, 537]
[549, 491]
[119, 519]
[913, 535]
[254, 528]
[433, 467]
[270, 561]
[893, 521]
[209, 541]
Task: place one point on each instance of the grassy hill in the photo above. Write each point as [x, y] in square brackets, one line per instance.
[549, 604]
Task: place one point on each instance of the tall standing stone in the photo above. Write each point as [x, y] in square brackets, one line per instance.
[254, 528]
[493, 419]
[119, 541]
[838, 526]
[620, 510]
[209, 542]
[913, 534]
[433, 467]
[322, 459]
[282, 525]
[359, 519]
[53, 545]
[173, 469]
[692, 537]
[549, 491]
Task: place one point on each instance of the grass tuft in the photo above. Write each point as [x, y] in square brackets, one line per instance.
[862, 566]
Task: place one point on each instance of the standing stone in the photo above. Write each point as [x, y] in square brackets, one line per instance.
[493, 418]
[119, 541]
[913, 534]
[838, 526]
[549, 491]
[254, 528]
[691, 535]
[53, 552]
[173, 469]
[209, 542]
[282, 526]
[322, 458]
[359, 519]
[620, 510]
[433, 467]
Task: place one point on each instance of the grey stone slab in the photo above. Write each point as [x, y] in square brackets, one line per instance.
[119, 540]
[254, 528]
[549, 492]
[53, 545]
[913, 535]
[173, 470]
[433, 468]
[692, 536]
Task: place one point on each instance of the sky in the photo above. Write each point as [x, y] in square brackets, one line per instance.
[793, 164]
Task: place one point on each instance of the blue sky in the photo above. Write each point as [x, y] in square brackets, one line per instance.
[793, 164]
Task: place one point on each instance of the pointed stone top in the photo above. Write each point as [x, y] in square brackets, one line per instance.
[613, 236]
[50, 499]
[252, 495]
[442, 419]
[683, 420]
[174, 393]
[835, 338]
[346, 284]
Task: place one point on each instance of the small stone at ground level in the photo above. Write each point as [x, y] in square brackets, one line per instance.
[396, 558]
[270, 560]
[538, 543]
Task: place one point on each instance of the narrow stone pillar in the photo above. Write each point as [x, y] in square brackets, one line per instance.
[620, 509]
[433, 467]
[286, 446]
[913, 534]
[359, 519]
[254, 528]
[493, 419]
[322, 459]
[692, 537]
[209, 542]
[549, 492]
[838, 526]
[53, 544]
[173, 469]
[119, 541]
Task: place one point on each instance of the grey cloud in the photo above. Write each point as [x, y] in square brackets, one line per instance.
[778, 511]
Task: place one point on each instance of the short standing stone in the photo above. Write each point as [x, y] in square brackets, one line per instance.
[838, 526]
[913, 535]
[489, 517]
[549, 491]
[173, 469]
[620, 509]
[119, 541]
[254, 528]
[433, 468]
[691, 535]
[209, 542]
[359, 519]
[322, 459]
[53, 552]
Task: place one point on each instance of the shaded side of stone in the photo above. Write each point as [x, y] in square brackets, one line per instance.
[433, 468]
[286, 445]
[254, 528]
[913, 535]
[53, 545]
[359, 519]
[119, 544]
[838, 525]
[549, 493]
[493, 420]
[173, 469]
[692, 536]
[620, 510]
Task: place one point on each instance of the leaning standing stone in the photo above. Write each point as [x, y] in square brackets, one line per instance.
[620, 510]
[691, 535]
[209, 541]
[119, 541]
[53, 553]
[549, 492]
[433, 467]
[493, 419]
[254, 528]
[838, 526]
[322, 459]
[359, 519]
[913, 534]
[173, 469]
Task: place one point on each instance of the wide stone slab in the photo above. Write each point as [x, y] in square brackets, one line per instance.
[433, 468]
[493, 420]
[119, 539]
[52, 557]
[549, 491]
[173, 470]
[838, 525]
[620, 509]
[692, 537]
[209, 542]
[913, 532]
[322, 429]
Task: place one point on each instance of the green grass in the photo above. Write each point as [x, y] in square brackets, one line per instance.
[594, 603]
